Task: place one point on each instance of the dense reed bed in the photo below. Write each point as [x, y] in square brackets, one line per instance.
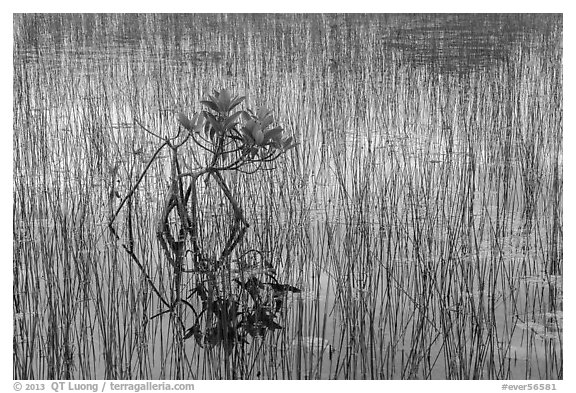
[421, 213]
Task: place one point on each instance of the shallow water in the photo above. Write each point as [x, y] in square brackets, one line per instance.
[420, 214]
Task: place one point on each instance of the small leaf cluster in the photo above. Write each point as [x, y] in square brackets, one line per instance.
[228, 321]
[236, 137]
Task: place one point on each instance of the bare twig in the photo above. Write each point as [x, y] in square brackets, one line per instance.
[129, 195]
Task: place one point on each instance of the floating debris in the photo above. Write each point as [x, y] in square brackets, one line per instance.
[311, 343]
[550, 330]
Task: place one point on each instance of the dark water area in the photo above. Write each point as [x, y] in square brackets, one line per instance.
[449, 43]
[460, 43]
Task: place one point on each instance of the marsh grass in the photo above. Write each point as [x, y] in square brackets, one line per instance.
[421, 213]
